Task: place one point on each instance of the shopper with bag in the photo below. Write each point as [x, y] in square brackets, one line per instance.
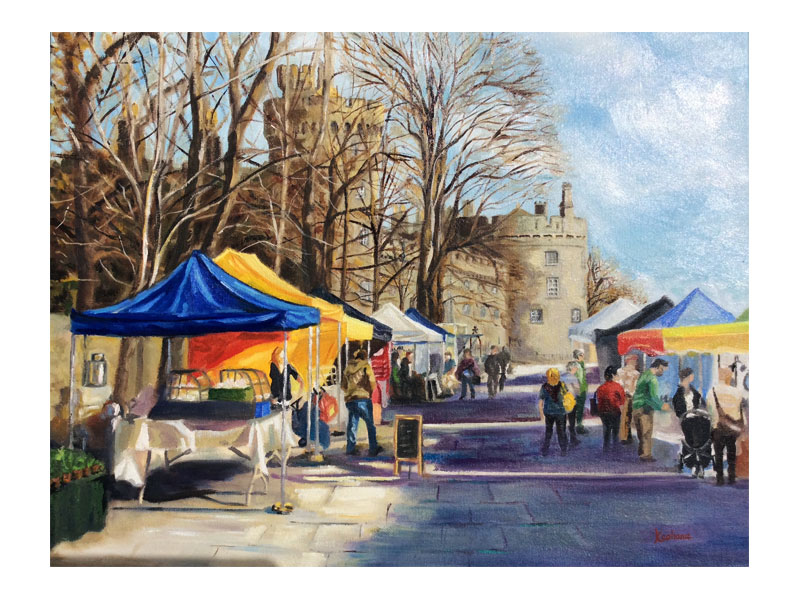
[358, 383]
[610, 399]
[727, 424]
[467, 371]
[551, 396]
[573, 387]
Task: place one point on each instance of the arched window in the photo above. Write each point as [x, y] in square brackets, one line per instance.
[334, 128]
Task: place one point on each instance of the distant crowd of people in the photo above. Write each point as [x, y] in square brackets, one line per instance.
[629, 399]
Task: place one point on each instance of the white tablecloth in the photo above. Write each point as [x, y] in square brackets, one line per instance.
[133, 440]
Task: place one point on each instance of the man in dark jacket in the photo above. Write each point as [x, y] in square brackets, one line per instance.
[685, 392]
[465, 371]
[406, 390]
[358, 383]
[494, 367]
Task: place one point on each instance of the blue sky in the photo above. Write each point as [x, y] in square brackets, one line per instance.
[656, 129]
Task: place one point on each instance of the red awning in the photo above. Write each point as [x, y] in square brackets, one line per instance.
[649, 341]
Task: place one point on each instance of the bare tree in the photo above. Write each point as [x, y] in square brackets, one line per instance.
[477, 131]
[606, 284]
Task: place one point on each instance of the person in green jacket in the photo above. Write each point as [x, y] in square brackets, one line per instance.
[583, 388]
[646, 400]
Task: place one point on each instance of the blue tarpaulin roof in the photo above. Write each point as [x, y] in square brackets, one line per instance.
[415, 315]
[196, 299]
[695, 309]
[379, 330]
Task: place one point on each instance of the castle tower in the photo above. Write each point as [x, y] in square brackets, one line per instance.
[547, 293]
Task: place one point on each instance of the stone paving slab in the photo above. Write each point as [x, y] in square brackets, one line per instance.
[433, 513]
[516, 513]
[472, 537]
[464, 492]
[333, 537]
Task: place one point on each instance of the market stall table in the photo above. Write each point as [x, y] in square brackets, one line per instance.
[255, 440]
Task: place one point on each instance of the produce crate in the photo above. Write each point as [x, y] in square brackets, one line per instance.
[222, 394]
[78, 507]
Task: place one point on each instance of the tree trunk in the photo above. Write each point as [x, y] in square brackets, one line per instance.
[346, 234]
[120, 393]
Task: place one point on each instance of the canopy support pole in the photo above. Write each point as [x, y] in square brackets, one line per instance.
[427, 371]
[284, 457]
[368, 348]
[318, 387]
[339, 395]
[71, 391]
[308, 402]
[346, 351]
[441, 364]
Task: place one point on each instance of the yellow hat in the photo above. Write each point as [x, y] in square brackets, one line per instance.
[553, 376]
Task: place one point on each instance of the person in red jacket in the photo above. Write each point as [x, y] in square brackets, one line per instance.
[610, 399]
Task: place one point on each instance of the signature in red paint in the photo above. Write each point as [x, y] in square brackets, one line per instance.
[662, 537]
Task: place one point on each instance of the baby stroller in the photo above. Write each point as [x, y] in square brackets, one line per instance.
[695, 450]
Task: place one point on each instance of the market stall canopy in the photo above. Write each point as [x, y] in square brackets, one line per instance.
[584, 332]
[416, 316]
[695, 309]
[250, 270]
[724, 337]
[379, 330]
[197, 298]
[248, 350]
[404, 330]
[606, 339]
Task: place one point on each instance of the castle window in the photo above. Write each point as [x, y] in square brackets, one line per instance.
[496, 313]
[466, 309]
[551, 258]
[334, 128]
[537, 315]
[552, 287]
[576, 315]
[467, 284]
[494, 289]
[363, 237]
[483, 312]
[347, 128]
[365, 293]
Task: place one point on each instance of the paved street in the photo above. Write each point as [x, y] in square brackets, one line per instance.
[489, 498]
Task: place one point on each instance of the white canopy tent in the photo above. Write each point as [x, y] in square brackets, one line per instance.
[612, 314]
[406, 331]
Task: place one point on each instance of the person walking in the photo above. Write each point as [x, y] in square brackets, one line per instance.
[645, 401]
[610, 399]
[727, 424]
[583, 388]
[505, 360]
[628, 376]
[570, 379]
[493, 367]
[551, 397]
[358, 383]
[685, 392]
[406, 389]
[466, 370]
[449, 380]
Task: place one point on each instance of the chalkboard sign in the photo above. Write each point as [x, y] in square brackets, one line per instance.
[408, 441]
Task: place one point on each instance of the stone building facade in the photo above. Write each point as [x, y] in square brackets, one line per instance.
[546, 258]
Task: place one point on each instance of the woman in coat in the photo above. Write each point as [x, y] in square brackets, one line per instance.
[685, 393]
[551, 396]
